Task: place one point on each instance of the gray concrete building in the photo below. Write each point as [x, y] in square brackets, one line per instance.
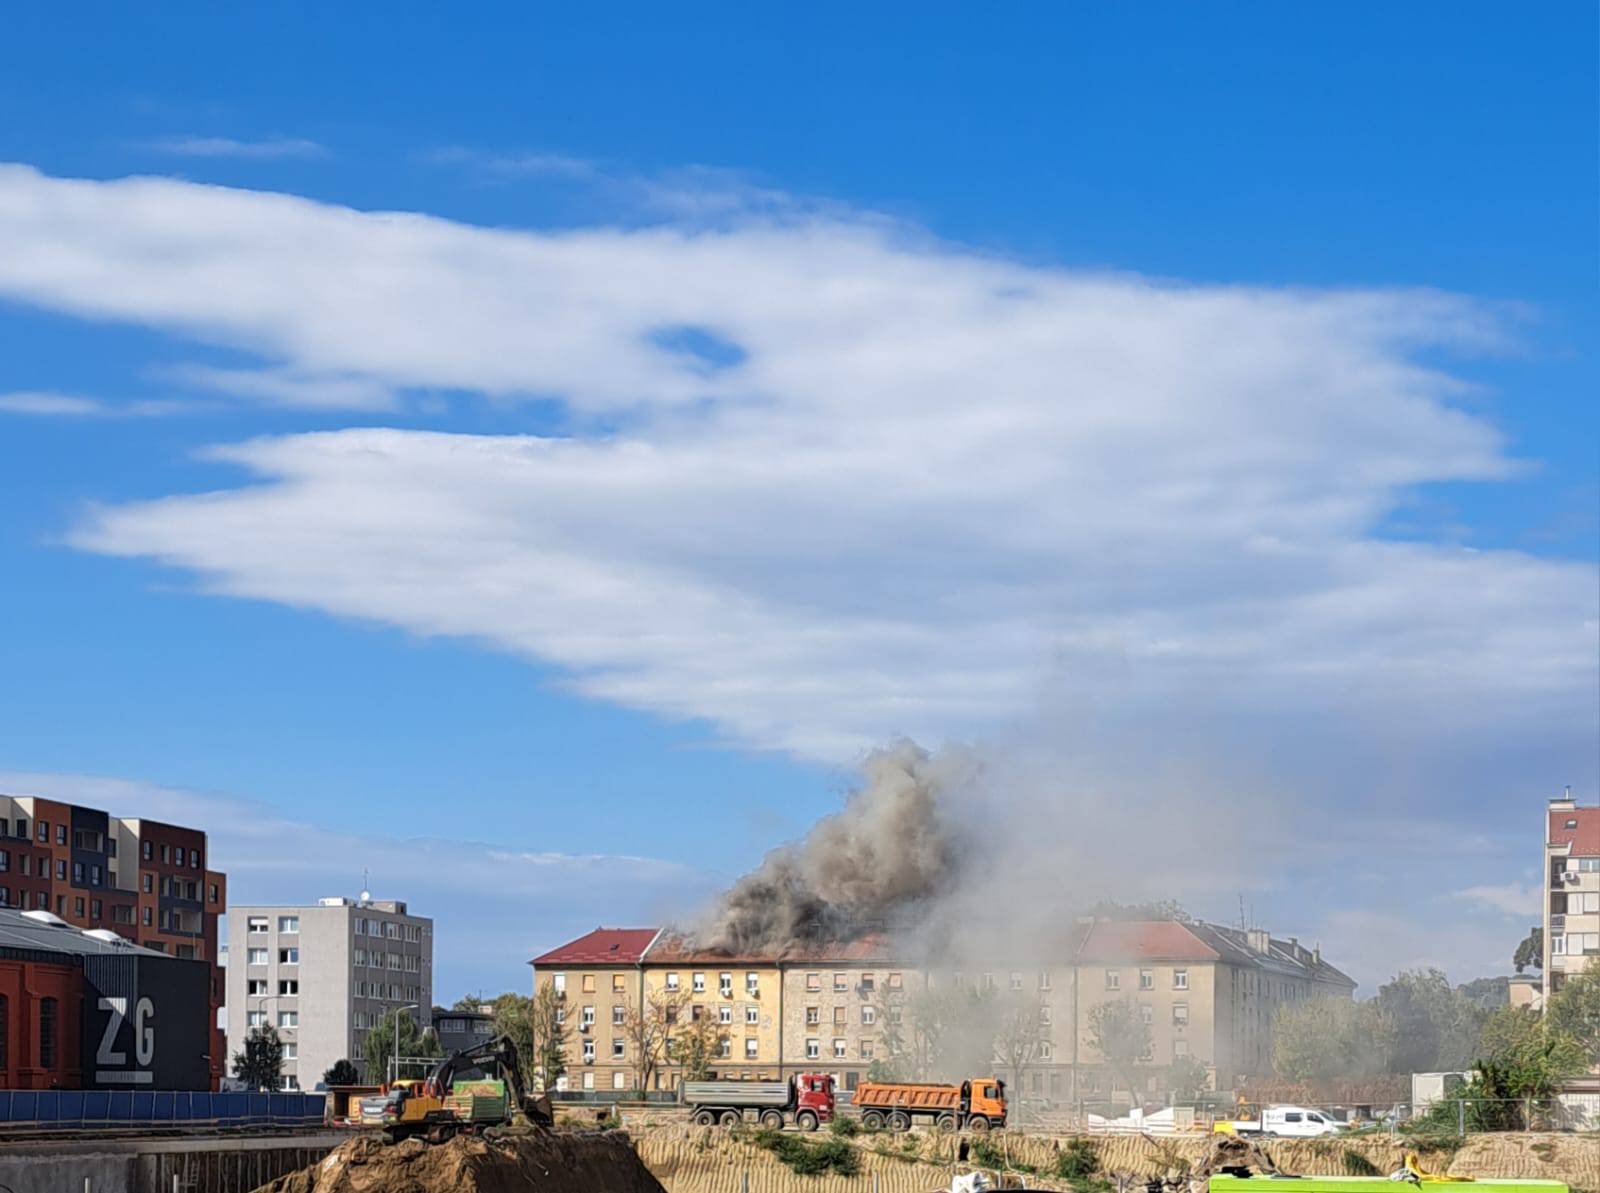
[324, 975]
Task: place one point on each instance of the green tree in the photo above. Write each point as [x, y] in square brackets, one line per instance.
[1187, 1076]
[536, 1026]
[649, 1029]
[696, 1046]
[1118, 1032]
[1435, 1027]
[1522, 1061]
[378, 1049]
[1330, 1039]
[469, 1002]
[341, 1072]
[260, 1064]
[1530, 953]
[1574, 1012]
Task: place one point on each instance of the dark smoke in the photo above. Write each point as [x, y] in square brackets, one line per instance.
[890, 852]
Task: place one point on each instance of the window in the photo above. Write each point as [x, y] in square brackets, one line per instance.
[256, 986]
[291, 1050]
[619, 983]
[391, 930]
[672, 981]
[894, 981]
[1113, 980]
[587, 1018]
[617, 1013]
[616, 1048]
[1016, 980]
[289, 956]
[1180, 979]
[560, 984]
[77, 873]
[841, 981]
[724, 1014]
[1147, 1013]
[22, 828]
[47, 1033]
[166, 853]
[752, 1016]
[179, 855]
[838, 1049]
[94, 875]
[289, 923]
[869, 1016]
[869, 982]
[698, 983]
[5, 901]
[1046, 1016]
[588, 983]
[750, 1046]
[147, 924]
[894, 1014]
[725, 1048]
[1147, 979]
[257, 1018]
[27, 864]
[813, 981]
[813, 1049]
[988, 981]
[1180, 1012]
[289, 986]
[44, 832]
[149, 887]
[813, 1016]
[256, 923]
[1044, 979]
[1558, 945]
[288, 1018]
[257, 956]
[752, 983]
[1180, 1048]
[77, 907]
[61, 870]
[725, 984]
[838, 1016]
[5, 1024]
[588, 1052]
[1045, 1050]
[146, 850]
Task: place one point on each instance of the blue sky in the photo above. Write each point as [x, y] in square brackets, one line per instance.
[1215, 377]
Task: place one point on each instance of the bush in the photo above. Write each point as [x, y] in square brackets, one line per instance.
[985, 1153]
[1356, 1164]
[845, 1128]
[810, 1159]
[1077, 1158]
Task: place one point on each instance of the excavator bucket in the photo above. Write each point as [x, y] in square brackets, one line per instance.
[539, 1110]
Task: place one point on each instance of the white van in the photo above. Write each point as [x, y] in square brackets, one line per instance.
[1297, 1122]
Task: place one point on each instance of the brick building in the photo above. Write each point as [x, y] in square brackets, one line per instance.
[1571, 899]
[142, 880]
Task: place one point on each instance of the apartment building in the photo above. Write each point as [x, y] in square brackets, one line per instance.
[1571, 901]
[325, 974]
[148, 882]
[598, 978]
[1207, 992]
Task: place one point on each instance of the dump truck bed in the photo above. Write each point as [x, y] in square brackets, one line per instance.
[908, 1095]
[736, 1093]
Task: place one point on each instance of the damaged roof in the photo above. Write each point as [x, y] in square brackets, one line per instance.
[602, 947]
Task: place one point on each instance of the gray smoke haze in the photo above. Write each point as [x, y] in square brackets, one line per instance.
[879, 863]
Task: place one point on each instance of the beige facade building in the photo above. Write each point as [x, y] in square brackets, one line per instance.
[1207, 992]
[1571, 900]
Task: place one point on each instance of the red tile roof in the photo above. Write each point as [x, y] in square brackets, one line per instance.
[1584, 837]
[1122, 942]
[603, 946]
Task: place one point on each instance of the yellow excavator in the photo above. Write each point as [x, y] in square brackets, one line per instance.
[441, 1106]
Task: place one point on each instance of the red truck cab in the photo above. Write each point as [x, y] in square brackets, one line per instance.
[813, 1096]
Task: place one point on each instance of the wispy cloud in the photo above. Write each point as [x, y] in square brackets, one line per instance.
[1509, 899]
[267, 149]
[46, 404]
[481, 894]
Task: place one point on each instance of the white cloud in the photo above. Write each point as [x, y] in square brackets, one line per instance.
[45, 404]
[1515, 899]
[267, 149]
[496, 904]
[1373, 945]
[828, 479]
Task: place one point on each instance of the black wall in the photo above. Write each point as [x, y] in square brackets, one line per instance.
[146, 1023]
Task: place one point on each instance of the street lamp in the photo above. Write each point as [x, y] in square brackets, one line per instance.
[398, 1011]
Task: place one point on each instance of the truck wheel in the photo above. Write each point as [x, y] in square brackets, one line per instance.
[704, 1118]
[806, 1121]
[945, 1122]
[730, 1118]
[872, 1120]
[772, 1120]
[899, 1121]
[978, 1123]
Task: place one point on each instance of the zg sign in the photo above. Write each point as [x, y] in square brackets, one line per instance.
[110, 1061]
[146, 1023]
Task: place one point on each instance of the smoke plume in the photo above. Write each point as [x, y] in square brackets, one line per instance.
[889, 853]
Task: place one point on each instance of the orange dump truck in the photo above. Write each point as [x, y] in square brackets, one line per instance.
[974, 1105]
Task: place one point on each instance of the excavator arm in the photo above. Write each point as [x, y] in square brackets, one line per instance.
[500, 1055]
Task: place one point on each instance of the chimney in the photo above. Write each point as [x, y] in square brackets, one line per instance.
[1260, 940]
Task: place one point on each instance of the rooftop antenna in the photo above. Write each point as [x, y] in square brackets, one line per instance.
[366, 895]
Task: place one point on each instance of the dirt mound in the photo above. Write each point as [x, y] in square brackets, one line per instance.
[542, 1161]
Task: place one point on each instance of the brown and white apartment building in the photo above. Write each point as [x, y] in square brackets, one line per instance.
[1207, 991]
[1571, 899]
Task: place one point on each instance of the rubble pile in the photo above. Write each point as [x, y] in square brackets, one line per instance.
[511, 1162]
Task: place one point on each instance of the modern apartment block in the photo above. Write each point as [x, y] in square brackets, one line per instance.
[1207, 992]
[324, 975]
[1571, 899]
[143, 880]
